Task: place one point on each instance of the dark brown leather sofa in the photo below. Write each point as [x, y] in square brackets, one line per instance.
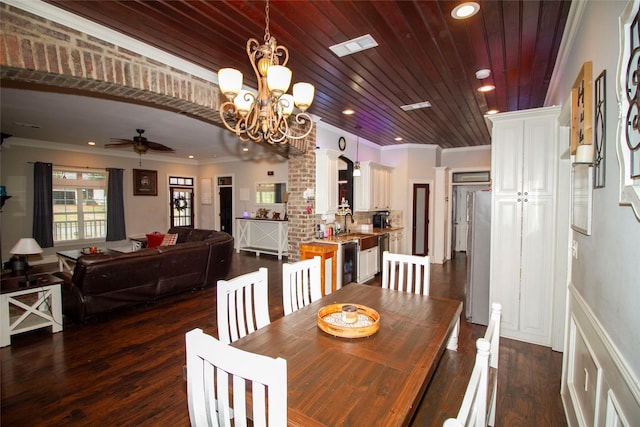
[102, 283]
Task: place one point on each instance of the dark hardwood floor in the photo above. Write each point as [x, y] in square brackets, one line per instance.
[125, 368]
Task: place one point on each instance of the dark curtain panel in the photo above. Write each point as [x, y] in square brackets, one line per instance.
[115, 206]
[43, 204]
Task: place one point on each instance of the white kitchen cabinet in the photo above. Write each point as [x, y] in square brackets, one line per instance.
[524, 161]
[367, 264]
[373, 187]
[327, 181]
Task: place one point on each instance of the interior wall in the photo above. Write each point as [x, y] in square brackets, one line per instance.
[246, 174]
[467, 157]
[143, 214]
[606, 269]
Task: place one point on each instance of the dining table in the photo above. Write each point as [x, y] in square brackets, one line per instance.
[372, 380]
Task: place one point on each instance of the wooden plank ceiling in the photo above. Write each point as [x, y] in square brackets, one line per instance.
[423, 55]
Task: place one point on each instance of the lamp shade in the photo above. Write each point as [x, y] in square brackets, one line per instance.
[278, 79]
[286, 103]
[26, 246]
[303, 95]
[243, 101]
[230, 82]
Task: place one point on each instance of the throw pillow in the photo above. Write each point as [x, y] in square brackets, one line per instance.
[154, 239]
[169, 239]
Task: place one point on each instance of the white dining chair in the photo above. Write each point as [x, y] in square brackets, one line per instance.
[412, 273]
[301, 284]
[221, 377]
[409, 273]
[478, 408]
[243, 305]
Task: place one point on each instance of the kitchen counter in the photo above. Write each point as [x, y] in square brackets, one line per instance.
[356, 235]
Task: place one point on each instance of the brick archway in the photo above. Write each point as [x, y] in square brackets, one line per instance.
[39, 52]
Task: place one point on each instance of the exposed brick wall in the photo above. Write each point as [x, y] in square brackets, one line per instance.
[302, 175]
[37, 51]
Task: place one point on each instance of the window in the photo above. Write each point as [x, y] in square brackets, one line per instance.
[79, 205]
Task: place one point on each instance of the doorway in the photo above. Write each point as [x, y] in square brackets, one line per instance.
[182, 203]
[460, 214]
[420, 226]
[225, 202]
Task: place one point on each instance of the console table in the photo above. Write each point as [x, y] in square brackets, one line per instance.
[262, 236]
[25, 308]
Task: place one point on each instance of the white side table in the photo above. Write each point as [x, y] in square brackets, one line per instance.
[32, 307]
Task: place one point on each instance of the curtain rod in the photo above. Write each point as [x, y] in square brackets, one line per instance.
[72, 166]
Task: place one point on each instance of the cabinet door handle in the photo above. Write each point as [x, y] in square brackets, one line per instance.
[526, 200]
[519, 193]
[526, 193]
[519, 200]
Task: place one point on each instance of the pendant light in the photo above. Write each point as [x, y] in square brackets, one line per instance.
[356, 167]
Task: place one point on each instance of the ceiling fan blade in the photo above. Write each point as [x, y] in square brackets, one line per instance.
[122, 143]
[159, 147]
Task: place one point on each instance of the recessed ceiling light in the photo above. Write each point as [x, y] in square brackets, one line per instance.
[398, 138]
[486, 88]
[191, 156]
[416, 106]
[483, 73]
[245, 149]
[465, 10]
[491, 112]
[91, 143]
[348, 112]
[354, 45]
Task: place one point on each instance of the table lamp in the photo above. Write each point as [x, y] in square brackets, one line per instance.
[26, 246]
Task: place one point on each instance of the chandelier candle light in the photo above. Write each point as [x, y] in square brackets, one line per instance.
[262, 117]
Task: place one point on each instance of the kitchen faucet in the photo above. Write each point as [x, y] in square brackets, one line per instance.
[348, 213]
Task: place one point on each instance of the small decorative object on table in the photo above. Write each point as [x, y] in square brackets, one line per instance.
[348, 320]
[276, 215]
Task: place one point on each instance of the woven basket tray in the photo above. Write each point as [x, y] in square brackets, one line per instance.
[329, 320]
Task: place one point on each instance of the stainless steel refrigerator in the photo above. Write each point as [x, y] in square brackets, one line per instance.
[478, 253]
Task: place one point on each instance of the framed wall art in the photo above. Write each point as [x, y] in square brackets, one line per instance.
[628, 92]
[581, 198]
[581, 114]
[145, 182]
[599, 129]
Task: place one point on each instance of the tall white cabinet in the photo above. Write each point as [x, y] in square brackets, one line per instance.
[523, 168]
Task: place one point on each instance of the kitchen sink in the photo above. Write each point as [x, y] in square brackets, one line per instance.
[368, 242]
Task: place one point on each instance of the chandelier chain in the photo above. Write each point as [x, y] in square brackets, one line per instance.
[267, 35]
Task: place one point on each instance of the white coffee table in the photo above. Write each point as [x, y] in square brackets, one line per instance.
[36, 306]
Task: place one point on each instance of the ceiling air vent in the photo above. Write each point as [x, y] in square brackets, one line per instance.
[354, 45]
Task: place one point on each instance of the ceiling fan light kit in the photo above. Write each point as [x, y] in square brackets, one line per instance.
[262, 116]
[139, 143]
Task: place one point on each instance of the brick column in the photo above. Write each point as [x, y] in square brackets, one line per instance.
[302, 175]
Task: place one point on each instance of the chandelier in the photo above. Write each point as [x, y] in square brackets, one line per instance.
[263, 116]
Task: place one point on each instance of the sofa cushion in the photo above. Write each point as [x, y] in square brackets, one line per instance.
[198, 235]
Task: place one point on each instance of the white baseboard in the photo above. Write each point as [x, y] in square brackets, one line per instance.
[598, 388]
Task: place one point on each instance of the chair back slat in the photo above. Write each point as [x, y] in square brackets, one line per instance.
[301, 284]
[243, 305]
[409, 273]
[216, 371]
[479, 403]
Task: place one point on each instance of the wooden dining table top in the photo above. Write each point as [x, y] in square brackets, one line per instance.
[375, 380]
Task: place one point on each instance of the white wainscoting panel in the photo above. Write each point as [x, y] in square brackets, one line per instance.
[598, 389]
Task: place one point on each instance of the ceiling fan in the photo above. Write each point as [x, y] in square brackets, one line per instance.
[140, 144]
